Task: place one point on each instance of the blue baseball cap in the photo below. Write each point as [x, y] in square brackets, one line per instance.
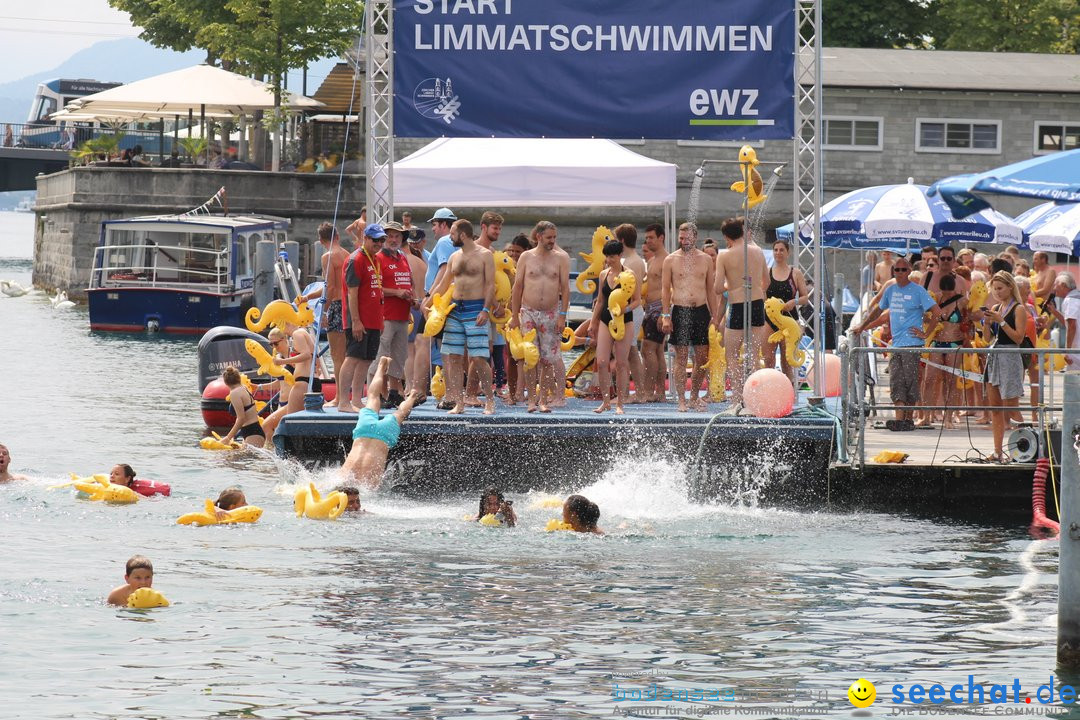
[375, 231]
[443, 214]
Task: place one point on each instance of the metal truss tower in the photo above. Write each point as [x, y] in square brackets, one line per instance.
[379, 107]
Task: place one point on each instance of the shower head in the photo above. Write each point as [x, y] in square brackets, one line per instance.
[700, 172]
[779, 170]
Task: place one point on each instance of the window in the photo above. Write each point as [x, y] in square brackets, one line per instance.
[1053, 136]
[850, 133]
[958, 136]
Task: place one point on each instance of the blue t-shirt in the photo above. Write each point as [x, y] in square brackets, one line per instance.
[906, 306]
[442, 251]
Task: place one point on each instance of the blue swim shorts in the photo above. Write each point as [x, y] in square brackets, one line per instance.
[370, 425]
[461, 330]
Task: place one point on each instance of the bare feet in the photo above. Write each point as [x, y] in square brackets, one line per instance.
[458, 409]
[682, 404]
[472, 402]
[619, 409]
[489, 408]
[544, 408]
[603, 407]
[331, 404]
[346, 408]
[532, 406]
[699, 405]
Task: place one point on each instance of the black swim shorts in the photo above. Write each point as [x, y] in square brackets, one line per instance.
[690, 325]
[650, 325]
[366, 349]
[757, 315]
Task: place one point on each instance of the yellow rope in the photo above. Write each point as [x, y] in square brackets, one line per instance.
[1053, 482]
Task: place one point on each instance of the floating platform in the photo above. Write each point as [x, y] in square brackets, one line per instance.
[782, 462]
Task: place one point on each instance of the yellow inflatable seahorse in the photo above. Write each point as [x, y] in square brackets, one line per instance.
[441, 306]
[504, 271]
[717, 365]
[751, 183]
[438, 384]
[977, 295]
[555, 524]
[208, 516]
[145, 598]
[586, 279]
[277, 314]
[250, 387]
[617, 302]
[523, 347]
[569, 340]
[267, 366]
[99, 488]
[215, 442]
[307, 502]
[790, 332]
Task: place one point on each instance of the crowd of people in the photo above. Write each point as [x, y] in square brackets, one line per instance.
[944, 299]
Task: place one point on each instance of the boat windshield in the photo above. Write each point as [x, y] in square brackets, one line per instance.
[163, 257]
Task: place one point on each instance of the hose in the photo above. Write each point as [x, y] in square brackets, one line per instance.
[1038, 498]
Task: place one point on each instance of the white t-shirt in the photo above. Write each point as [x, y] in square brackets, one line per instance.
[1070, 308]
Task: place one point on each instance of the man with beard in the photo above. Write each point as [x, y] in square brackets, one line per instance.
[688, 305]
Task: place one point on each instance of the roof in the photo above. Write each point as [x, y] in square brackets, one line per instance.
[225, 221]
[338, 89]
[951, 70]
[520, 172]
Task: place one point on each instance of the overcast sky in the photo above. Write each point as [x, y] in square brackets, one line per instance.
[37, 36]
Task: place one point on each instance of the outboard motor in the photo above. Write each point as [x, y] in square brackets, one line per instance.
[218, 349]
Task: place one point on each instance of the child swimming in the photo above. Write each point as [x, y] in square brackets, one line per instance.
[138, 573]
[492, 502]
[581, 514]
[229, 499]
[354, 498]
[373, 437]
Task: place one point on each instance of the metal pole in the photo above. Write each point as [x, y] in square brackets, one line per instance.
[1068, 635]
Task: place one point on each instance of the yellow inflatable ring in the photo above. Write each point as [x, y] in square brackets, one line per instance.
[98, 488]
[491, 521]
[245, 514]
[555, 524]
[145, 597]
[308, 503]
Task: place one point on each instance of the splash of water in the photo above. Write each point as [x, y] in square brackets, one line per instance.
[757, 215]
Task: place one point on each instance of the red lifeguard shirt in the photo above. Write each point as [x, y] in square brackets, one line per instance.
[359, 272]
[396, 275]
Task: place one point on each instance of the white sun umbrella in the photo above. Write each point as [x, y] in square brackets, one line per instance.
[1053, 228]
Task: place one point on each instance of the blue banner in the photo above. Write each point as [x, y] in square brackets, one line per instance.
[666, 69]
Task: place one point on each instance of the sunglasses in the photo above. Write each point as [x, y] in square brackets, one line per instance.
[896, 269]
[946, 258]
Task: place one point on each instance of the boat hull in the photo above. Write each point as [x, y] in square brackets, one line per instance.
[168, 310]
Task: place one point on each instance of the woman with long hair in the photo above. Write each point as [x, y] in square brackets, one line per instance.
[1004, 372]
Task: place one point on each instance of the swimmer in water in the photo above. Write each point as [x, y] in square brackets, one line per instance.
[374, 436]
[492, 502]
[354, 498]
[5, 460]
[229, 499]
[122, 475]
[581, 514]
[138, 573]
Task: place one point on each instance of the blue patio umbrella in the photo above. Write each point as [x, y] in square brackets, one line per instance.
[1052, 227]
[896, 217]
[1054, 177]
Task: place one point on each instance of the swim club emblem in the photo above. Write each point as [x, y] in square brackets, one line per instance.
[435, 98]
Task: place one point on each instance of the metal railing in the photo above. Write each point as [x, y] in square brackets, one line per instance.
[855, 407]
[112, 269]
[51, 136]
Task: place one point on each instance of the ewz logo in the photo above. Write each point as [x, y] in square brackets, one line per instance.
[434, 98]
[729, 106]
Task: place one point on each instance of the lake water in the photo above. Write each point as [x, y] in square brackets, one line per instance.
[411, 612]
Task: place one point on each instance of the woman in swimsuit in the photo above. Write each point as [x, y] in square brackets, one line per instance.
[609, 280]
[941, 384]
[787, 284]
[1007, 326]
[247, 417]
[299, 363]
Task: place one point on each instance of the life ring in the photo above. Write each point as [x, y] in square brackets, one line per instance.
[145, 598]
[149, 488]
[98, 488]
[208, 516]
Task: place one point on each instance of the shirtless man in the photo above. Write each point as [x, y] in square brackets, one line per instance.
[5, 461]
[688, 305]
[301, 359]
[1043, 284]
[373, 437]
[471, 270]
[654, 342]
[627, 235]
[883, 270]
[731, 274]
[333, 260]
[540, 301]
[946, 261]
[490, 228]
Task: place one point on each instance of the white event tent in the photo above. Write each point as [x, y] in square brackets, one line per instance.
[527, 172]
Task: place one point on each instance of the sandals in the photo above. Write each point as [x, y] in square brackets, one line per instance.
[998, 459]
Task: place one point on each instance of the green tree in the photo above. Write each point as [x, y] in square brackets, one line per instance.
[876, 23]
[1034, 26]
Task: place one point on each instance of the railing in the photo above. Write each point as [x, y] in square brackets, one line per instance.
[855, 409]
[52, 136]
[211, 275]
